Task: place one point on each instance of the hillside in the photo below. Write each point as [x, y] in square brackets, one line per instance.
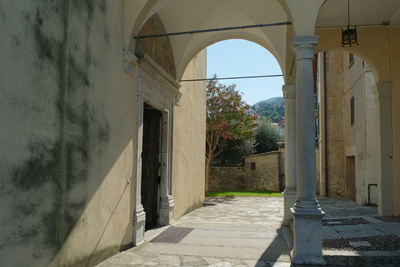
[272, 108]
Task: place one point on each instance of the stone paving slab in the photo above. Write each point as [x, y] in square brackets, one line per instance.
[233, 242]
[349, 231]
[247, 232]
[227, 232]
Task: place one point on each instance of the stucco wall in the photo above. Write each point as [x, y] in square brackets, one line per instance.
[67, 122]
[188, 169]
[371, 140]
[334, 123]
[395, 70]
[68, 115]
[265, 176]
[361, 138]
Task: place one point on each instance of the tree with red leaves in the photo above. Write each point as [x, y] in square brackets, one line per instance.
[228, 118]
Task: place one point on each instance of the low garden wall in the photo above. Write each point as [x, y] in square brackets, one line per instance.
[261, 172]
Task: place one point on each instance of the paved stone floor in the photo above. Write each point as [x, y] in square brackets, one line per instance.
[247, 232]
[226, 232]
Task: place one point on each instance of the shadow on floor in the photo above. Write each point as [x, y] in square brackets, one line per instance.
[212, 201]
[277, 251]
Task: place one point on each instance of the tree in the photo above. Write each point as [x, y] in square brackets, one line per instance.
[235, 152]
[267, 137]
[228, 118]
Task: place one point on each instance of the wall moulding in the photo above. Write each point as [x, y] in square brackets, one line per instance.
[158, 89]
[130, 61]
[152, 72]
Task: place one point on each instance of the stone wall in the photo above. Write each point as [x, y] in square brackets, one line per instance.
[261, 172]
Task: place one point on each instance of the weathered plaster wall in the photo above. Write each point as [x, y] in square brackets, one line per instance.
[265, 176]
[189, 122]
[358, 83]
[67, 122]
[334, 123]
[345, 81]
[371, 139]
[395, 70]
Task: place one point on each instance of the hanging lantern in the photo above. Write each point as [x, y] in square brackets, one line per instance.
[349, 35]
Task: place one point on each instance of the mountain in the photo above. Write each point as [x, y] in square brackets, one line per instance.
[272, 109]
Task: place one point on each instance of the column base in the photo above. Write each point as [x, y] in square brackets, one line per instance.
[289, 199]
[307, 236]
[139, 223]
[166, 211]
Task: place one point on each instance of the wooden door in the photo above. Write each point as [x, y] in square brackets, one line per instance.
[150, 165]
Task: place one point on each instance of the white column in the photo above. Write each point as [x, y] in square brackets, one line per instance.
[139, 216]
[307, 247]
[289, 194]
[167, 202]
[383, 97]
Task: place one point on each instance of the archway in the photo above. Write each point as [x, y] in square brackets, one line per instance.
[185, 48]
[348, 119]
[242, 58]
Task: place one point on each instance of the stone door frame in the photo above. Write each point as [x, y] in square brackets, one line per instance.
[158, 89]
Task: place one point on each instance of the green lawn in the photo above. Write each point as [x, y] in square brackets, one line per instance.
[244, 194]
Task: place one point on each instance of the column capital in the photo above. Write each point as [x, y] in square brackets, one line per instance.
[289, 91]
[304, 46]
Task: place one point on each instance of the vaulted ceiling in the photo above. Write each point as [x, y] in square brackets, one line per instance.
[186, 15]
[362, 12]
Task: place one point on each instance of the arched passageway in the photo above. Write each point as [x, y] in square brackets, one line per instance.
[74, 95]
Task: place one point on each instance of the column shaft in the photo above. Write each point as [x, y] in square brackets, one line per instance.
[307, 229]
[305, 123]
[289, 92]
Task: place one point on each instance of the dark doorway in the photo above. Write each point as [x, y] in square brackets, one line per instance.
[150, 164]
[351, 177]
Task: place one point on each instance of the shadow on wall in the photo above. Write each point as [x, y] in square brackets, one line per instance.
[67, 144]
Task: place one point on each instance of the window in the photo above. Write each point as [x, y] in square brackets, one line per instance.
[351, 60]
[352, 111]
[253, 165]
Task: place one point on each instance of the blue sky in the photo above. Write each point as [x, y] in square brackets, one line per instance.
[243, 58]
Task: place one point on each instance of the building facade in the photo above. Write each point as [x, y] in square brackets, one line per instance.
[348, 135]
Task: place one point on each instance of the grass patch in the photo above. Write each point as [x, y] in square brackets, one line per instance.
[244, 194]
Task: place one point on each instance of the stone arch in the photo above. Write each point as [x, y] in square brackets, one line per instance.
[382, 90]
[213, 16]
[357, 53]
[228, 36]
[373, 48]
[159, 49]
